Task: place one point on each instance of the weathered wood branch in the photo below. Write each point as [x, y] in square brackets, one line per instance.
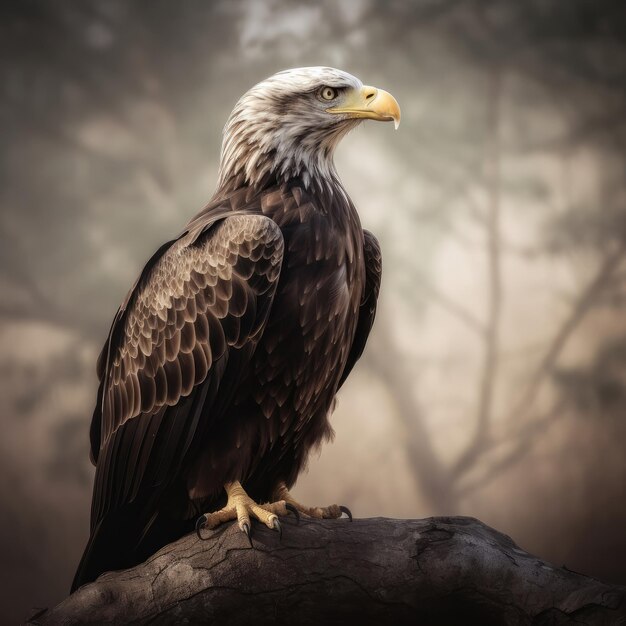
[372, 571]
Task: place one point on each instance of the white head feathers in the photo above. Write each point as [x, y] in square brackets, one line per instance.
[281, 125]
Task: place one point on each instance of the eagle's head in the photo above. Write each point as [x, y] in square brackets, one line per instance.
[289, 124]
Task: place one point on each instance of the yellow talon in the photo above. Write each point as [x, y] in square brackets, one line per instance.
[328, 512]
[241, 507]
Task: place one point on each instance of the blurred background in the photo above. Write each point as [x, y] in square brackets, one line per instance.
[494, 382]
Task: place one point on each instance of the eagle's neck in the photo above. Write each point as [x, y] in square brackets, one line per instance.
[271, 151]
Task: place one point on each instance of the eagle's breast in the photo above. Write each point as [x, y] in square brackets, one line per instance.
[304, 348]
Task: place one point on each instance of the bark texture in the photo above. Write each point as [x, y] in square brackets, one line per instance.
[445, 570]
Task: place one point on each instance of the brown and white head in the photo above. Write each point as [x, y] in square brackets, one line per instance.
[290, 124]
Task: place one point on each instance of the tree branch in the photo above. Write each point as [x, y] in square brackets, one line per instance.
[585, 302]
[521, 429]
[373, 571]
[518, 448]
[453, 307]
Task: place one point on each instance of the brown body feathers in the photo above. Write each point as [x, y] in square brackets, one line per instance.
[223, 362]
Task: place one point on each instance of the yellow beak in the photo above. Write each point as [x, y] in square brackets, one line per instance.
[370, 103]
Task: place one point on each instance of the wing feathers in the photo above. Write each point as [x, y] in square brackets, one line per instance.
[201, 329]
[209, 292]
[147, 386]
[367, 309]
[200, 363]
[174, 381]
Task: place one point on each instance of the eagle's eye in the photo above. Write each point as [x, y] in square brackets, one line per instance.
[328, 93]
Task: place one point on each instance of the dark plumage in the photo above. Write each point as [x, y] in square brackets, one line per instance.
[223, 361]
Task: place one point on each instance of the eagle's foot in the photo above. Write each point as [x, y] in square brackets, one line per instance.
[241, 507]
[334, 511]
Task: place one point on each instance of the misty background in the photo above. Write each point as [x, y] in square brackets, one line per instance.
[494, 381]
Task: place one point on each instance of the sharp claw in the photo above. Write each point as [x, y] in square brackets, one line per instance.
[276, 526]
[291, 508]
[200, 522]
[346, 510]
[246, 529]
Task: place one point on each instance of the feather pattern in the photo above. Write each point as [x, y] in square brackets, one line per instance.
[225, 357]
[147, 379]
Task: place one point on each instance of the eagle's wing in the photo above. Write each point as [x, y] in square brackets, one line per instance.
[367, 310]
[203, 302]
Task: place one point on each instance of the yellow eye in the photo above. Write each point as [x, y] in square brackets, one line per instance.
[328, 93]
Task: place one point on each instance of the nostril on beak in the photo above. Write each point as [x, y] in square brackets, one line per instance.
[369, 93]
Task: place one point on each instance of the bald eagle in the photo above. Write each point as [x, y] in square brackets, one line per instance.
[221, 365]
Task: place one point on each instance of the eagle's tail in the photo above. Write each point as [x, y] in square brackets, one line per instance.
[102, 553]
[122, 539]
